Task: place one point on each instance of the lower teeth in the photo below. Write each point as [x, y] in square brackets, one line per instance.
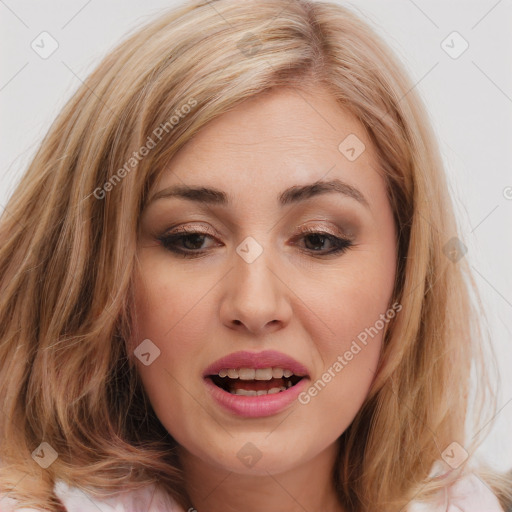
[252, 392]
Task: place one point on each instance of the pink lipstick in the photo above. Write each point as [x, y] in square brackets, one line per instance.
[256, 384]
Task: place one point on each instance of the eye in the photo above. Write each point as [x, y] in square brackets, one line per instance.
[318, 238]
[189, 243]
[185, 242]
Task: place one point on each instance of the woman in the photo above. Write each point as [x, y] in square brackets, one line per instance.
[231, 279]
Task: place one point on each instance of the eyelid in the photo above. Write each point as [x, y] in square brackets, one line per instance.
[337, 232]
[187, 228]
[305, 229]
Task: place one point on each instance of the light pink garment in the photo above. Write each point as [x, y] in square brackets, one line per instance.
[469, 494]
[148, 499]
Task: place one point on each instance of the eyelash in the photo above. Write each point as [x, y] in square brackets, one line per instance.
[341, 245]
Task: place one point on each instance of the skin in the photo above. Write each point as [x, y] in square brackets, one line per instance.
[290, 299]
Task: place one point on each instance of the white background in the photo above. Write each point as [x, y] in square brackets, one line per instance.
[469, 99]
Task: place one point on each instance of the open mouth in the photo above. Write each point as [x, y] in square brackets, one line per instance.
[255, 382]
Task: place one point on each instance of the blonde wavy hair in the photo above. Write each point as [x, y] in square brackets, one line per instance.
[68, 243]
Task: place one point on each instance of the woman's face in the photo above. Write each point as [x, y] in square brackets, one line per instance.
[249, 279]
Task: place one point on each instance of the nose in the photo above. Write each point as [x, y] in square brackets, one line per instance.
[256, 298]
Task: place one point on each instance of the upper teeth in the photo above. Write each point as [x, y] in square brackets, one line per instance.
[255, 374]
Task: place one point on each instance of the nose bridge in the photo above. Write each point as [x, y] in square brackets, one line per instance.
[253, 275]
[256, 295]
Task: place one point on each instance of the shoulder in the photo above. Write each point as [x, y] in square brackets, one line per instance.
[468, 494]
[7, 504]
[148, 499]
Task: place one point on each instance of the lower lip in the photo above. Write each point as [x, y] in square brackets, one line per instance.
[256, 406]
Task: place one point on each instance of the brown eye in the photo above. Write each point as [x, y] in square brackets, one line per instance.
[187, 243]
[317, 241]
[190, 244]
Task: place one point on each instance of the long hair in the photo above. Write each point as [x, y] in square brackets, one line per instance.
[68, 240]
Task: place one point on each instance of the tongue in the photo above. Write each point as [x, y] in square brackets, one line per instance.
[256, 385]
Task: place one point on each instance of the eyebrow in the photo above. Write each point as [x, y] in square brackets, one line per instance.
[291, 195]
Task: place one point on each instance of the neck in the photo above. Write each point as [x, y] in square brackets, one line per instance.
[308, 486]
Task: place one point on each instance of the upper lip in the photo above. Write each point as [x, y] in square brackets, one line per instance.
[265, 359]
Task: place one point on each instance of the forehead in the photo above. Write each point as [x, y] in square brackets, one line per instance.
[272, 141]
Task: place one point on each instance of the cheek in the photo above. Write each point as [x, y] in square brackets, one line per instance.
[167, 301]
[351, 346]
[349, 349]
[351, 317]
[350, 300]
[361, 299]
[172, 311]
[166, 318]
